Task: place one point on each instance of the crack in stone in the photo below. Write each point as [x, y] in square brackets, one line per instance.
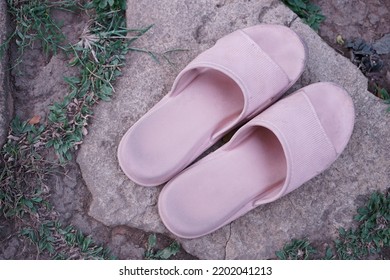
[288, 24]
[199, 31]
[86, 207]
[305, 77]
[227, 241]
[266, 9]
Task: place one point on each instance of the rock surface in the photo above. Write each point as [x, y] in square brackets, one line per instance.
[6, 106]
[382, 46]
[314, 210]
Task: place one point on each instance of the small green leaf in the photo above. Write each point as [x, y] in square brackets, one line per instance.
[28, 203]
[102, 4]
[37, 199]
[74, 61]
[72, 81]
[168, 252]
[280, 255]
[152, 241]
[86, 243]
[329, 253]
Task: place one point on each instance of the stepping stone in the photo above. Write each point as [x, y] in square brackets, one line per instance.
[316, 210]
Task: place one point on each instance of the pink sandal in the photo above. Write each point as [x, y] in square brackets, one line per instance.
[224, 86]
[272, 155]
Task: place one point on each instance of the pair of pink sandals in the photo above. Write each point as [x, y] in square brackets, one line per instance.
[274, 153]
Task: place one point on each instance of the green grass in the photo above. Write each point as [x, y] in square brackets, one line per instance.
[383, 94]
[307, 11]
[369, 237]
[372, 233]
[49, 236]
[152, 253]
[34, 151]
[23, 169]
[296, 250]
[35, 25]
[99, 54]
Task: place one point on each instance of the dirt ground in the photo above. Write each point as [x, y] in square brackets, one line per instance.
[368, 20]
[38, 82]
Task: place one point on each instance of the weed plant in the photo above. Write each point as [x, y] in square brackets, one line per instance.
[35, 25]
[99, 54]
[296, 250]
[307, 11]
[369, 237]
[383, 94]
[34, 151]
[152, 253]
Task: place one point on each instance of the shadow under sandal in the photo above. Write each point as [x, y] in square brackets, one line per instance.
[243, 73]
[270, 156]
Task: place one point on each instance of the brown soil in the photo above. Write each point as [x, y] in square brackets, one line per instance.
[368, 20]
[38, 82]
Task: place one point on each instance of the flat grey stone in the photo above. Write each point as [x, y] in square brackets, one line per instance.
[314, 210]
[382, 46]
[6, 106]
